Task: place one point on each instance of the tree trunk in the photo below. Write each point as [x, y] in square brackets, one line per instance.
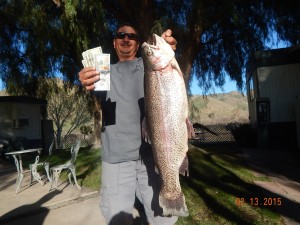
[58, 137]
[97, 123]
[193, 46]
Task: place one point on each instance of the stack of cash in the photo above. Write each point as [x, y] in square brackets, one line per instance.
[95, 58]
[89, 56]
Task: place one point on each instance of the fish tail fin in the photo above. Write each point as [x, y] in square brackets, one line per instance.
[173, 207]
[184, 168]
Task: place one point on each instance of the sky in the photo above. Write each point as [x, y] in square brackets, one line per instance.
[1, 85]
[228, 87]
[229, 84]
[195, 89]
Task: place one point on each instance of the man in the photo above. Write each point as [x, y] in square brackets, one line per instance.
[127, 161]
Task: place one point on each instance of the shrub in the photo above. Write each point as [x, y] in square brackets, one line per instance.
[244, 135]
[86, 130]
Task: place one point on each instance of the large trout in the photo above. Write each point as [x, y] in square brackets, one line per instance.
[167, 121]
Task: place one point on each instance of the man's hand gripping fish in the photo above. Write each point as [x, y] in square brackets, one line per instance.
[167, 121]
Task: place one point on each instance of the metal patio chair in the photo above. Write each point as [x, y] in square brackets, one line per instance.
[33, 167]
[69, 166]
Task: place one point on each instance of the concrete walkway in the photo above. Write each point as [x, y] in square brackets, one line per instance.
[35, 205]
[283, 168]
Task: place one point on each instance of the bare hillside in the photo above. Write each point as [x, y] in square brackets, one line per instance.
[3, 93]
[219, 108]
[215, 109]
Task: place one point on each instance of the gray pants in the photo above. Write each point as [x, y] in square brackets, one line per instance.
[121, 183]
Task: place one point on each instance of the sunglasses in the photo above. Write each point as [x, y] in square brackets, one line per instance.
[131, 36]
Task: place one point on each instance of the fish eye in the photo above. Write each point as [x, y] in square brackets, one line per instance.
[149, 51]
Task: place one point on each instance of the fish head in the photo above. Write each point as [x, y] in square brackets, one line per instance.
[157, 54]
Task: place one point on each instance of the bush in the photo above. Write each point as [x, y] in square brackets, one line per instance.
[244, 135]
[86, 130]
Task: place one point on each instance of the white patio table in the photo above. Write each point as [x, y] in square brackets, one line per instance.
[18, 161]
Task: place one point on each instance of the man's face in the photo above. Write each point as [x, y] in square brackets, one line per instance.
[126, 48]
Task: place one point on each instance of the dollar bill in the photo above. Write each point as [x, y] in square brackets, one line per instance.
[102, 64]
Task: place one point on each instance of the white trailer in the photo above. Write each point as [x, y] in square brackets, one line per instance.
[273, 90]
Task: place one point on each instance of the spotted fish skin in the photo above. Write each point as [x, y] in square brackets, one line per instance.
[166, 118]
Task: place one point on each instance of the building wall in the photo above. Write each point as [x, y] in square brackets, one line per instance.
[281, 84]
[297, 112]
[5, 120]
[10, 111]
[275, 78]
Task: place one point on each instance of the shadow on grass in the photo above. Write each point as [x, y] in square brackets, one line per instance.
[88, 162]
[209, 186]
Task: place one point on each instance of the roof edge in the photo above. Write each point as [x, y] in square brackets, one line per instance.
[23, 99]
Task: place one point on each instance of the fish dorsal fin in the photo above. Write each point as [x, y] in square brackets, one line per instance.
[176, 67]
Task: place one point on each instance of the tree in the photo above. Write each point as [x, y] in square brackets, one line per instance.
[67, 108]
[38, 39]
[215, 38]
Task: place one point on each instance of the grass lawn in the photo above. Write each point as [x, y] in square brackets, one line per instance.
[219, 181]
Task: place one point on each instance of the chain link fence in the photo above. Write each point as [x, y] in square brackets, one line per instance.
[214, 134]
[205, 135]
[86, 140]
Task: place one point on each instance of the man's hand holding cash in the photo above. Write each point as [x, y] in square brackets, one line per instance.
[95, 63]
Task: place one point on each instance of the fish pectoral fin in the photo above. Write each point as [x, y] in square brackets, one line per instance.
[184, 168]
[156, 169]
[176, 67]
[190, 129]
[145, 133]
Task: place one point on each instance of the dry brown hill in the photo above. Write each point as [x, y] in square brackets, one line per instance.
[3, 93]
[216, 108]
[219, 108]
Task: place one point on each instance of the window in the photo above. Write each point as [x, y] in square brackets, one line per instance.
[20, 123]
[263, 111]
[251, 88]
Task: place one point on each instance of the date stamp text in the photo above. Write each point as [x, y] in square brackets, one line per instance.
[259, 201]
